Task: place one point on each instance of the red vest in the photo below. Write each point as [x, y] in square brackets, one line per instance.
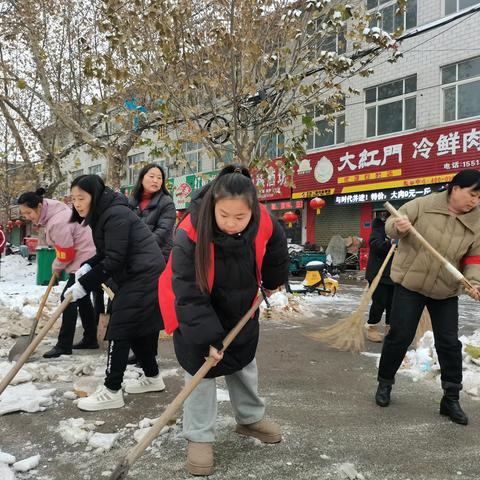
[166, 295]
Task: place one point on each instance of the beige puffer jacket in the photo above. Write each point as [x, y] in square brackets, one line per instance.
[452, 236]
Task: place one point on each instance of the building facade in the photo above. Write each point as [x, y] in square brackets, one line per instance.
[414, 124]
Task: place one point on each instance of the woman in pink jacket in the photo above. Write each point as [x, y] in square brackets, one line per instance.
[73, 245]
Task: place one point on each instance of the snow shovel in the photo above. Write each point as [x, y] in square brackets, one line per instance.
[31, 348]
[121, 471]
[448, 266]
[25, 340]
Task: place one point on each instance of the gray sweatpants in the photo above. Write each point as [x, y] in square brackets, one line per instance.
[200, 408]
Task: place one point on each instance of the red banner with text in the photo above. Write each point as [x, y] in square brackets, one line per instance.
[420, 158]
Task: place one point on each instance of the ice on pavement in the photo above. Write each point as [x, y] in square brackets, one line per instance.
[25, 398]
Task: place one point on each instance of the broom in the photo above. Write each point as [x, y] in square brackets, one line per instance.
[348, 334]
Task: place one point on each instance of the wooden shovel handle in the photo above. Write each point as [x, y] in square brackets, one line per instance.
[108, 291]
[30, 349]
[42, 305]
[188, 388]
[455, 272]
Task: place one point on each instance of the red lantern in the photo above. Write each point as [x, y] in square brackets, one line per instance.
[18, 223]
[290, 217]
[317, 203]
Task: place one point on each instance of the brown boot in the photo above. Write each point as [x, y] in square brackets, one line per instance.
[373, 334]
[200, 458]
[264, 430]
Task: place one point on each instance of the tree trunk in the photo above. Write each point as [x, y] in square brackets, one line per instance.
[116, 163]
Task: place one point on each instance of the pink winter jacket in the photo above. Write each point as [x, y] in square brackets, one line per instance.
[73, 243]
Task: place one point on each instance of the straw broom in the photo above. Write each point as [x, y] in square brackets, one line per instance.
[348, 334]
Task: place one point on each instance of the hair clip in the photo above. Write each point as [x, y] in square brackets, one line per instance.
[237, 170]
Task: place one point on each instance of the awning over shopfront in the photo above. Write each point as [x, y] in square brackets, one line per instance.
[403, 162]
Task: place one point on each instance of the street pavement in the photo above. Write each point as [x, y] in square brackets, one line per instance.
[322, 398]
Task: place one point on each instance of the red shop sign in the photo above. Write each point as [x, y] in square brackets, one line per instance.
[272, 186]
[420, 158]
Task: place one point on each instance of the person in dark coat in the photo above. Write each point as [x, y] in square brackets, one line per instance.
[152, 202]
[382, 297]
[223, 250]
[128, 253]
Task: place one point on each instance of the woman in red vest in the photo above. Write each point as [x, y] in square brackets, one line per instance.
[223, 250]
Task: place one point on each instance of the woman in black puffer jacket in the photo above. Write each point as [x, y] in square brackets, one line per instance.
[223, 250]
[152, 202]
[128, 254]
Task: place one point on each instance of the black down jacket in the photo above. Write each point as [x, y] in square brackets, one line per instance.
[379, 247]
[128, 253]
[204, 319]
[159, 215]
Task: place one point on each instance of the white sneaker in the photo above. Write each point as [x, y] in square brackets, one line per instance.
[101, 399]
[145, 384]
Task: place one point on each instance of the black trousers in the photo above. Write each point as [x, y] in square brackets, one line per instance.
[144, 348]
[69, 319]
[407, 309]
[381, 301]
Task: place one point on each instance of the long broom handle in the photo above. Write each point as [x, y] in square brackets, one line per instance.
[26, 354]
[108, 291]
[184, 393]
[455, 272]
[42, 306]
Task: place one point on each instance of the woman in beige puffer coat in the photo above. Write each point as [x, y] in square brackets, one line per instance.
[450, 222]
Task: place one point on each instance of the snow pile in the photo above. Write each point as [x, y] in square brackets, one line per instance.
[282, 306]
[422, 362]
[25, 398]
[349, 472]
[20, 296]
[6, 473]
[27, 464]
[145, 424]
[7, 460]
[77, 430]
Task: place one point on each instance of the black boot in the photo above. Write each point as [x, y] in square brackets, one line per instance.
[56, 351]
[382, 397]
[450, 406]
[84, 344]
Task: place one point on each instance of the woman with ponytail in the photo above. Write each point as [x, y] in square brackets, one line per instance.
[73, 246]
[224, 250]
[128, 254]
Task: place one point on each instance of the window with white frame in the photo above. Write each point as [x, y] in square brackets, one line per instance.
[336, 43]
[197, 157]
[461, 90]
[391, 19]
[95, 169]
[134, 167]
[77, 173]
[391, 107]
[452, 6]
[271, 146]
[326, 132]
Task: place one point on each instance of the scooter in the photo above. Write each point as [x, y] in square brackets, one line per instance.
[316, 280]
